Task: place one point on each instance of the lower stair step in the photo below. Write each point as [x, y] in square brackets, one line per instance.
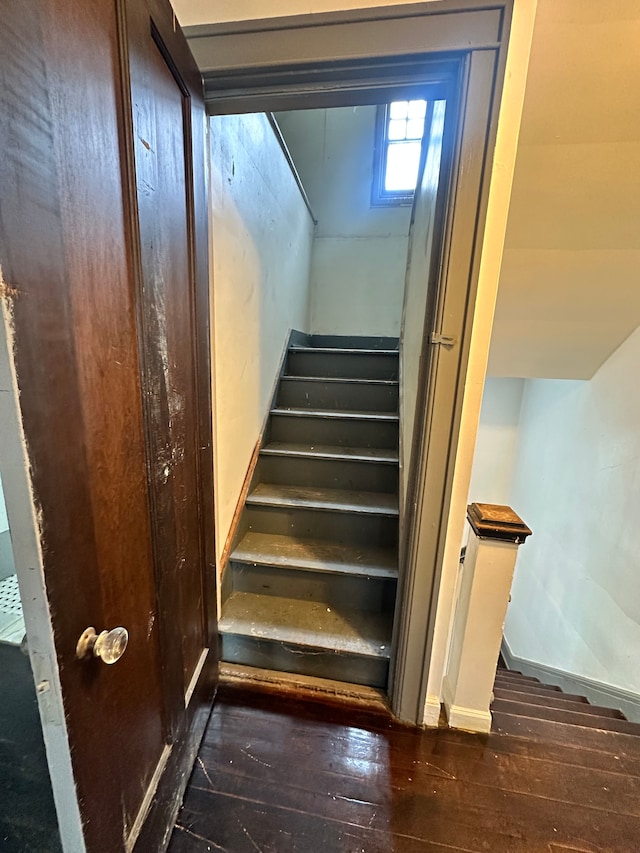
[574, 716]
[566, 701]
[329, 451]
[306, 637]
[286, 552]
[342, 500]
[534, 689]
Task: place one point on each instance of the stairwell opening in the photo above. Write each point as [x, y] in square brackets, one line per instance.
[318, 320]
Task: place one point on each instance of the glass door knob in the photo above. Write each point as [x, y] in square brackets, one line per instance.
[109, 646]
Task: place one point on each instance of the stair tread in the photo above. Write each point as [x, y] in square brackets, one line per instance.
[329, 451]
[308, 554]
[552, 698]
[354, 414]
[337, 380]
[274, 494]
[619, 745]
[574, 716]
[307, 623]
[344, 350]
[533, 691]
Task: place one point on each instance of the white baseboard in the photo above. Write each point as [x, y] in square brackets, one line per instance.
[432, 709]
[597, 692]
[467, 719]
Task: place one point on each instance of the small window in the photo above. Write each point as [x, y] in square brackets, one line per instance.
[398, 145]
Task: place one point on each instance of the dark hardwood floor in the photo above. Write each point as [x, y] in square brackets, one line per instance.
[277, 774]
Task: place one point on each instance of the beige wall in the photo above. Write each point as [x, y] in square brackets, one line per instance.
[359, 251]
[261, 249]
[569, 291]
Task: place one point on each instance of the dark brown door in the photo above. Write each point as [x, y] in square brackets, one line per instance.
[103, 252]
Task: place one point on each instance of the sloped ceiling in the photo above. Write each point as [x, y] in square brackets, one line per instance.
[570, 284]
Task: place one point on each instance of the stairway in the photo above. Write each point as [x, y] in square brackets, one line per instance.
[311, 582]
[524, 706]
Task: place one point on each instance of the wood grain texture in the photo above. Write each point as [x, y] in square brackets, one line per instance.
[276, 773]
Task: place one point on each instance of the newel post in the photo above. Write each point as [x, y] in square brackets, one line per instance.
[483, 595]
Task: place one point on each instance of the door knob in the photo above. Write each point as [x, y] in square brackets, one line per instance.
[109, 646]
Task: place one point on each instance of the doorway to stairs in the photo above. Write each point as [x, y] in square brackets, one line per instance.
[325, 61]
[316, 270]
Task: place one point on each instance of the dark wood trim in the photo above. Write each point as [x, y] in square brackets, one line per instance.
[490, 521]
[322, 690]
[160, 818]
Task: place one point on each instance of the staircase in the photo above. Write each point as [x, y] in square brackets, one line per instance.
[311, 582]
[524, 706]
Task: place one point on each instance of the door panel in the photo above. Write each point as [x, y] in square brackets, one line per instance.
[162, 107]
[84, 321]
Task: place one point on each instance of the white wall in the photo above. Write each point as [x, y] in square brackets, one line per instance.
[261, 249]
[359, 252]
[497, 442]
[576, 594]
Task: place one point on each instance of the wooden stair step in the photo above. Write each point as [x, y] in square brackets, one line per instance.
[564, 715]
[534, 690]
[287, 552]
[335, 500]
[339, 414]
[551, 699]
[345, 350]
[307, 623]
[509, 675]
[342, 380]
[326, 451]
[621, 747]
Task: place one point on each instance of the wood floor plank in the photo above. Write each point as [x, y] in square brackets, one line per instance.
[276, 774]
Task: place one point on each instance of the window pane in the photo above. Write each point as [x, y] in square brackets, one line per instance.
[403, 160]
[398, 109]
[417, 109]
[415, 128]
[397, 129]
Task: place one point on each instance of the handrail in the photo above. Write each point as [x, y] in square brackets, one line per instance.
[285, 150]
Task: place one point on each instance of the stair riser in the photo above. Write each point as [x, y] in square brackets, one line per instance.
[580, 706]
[339, 666]
[333, 431]
[355, 342]
[574, 718]
[345, 365]
[339, 527]
[371, 594]
[345, 396]
[328, 473]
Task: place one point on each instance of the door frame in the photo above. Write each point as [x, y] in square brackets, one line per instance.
[367, 56]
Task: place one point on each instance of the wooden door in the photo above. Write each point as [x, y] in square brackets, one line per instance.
[103, 256]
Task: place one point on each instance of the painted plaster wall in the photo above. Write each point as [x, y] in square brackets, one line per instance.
[359, 251]
[261, 249]
[497, 441]
[576, 594]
